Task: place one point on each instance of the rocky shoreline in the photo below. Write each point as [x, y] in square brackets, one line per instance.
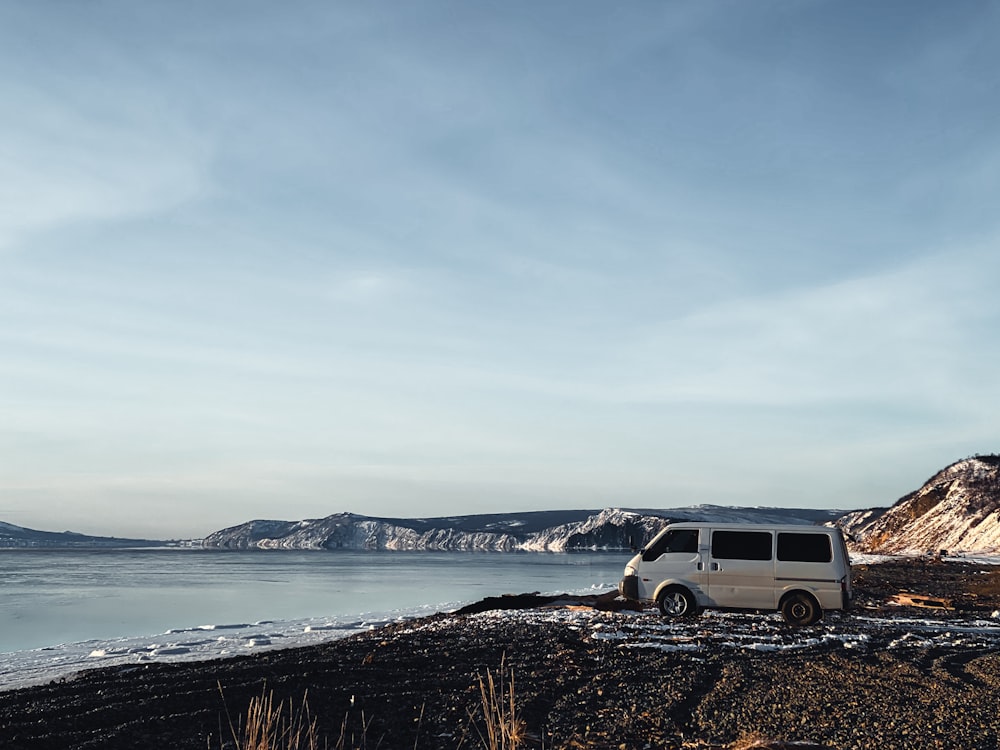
[882, 677]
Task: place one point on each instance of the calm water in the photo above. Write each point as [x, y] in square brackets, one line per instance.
[65, 596]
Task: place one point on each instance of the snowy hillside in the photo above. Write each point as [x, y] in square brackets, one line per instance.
[553, 531]
[958, 509]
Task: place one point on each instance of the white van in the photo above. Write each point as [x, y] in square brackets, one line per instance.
[797, 570]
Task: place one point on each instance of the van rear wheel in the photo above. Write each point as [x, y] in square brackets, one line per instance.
[676, 602]
[800, 609]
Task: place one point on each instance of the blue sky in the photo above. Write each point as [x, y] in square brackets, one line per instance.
[285, 260]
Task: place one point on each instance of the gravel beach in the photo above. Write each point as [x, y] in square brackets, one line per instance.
[884, 676]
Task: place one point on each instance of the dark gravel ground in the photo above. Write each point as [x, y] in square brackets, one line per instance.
[881, 677]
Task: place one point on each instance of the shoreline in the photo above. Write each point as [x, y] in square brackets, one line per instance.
[39, 666]
[884, 676]
[128, 597]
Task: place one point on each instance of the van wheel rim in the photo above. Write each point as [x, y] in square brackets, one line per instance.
[675, 604]
[799, 611]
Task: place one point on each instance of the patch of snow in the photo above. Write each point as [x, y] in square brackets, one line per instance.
[711, 633]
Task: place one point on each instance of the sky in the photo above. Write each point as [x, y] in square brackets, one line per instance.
[284, 260]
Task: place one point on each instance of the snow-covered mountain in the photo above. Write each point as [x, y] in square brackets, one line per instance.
[17, 536]
[957, 509]
[556, 531]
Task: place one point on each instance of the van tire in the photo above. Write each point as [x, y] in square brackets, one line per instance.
[799, 608]
[676, 602]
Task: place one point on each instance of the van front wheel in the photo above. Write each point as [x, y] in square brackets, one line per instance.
[676, 602]
[800, 609]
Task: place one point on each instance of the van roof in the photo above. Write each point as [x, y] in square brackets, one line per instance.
[736, 526]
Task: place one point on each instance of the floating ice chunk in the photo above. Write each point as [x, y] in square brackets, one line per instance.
[193, 644]
[236, 626]
[170, 651]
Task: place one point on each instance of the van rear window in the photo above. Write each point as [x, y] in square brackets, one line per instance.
[741, 545]
[793, 547]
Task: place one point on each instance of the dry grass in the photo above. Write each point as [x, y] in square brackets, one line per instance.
[283, 725]
[275, 726]
[500, 726]
[751, 741]
[497, 725]
[758, 741]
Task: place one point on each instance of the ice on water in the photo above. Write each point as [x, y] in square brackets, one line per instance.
[201, 642]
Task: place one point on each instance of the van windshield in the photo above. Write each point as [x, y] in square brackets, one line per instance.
[675, 540]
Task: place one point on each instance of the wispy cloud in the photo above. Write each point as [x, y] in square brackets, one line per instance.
[904, 335]
[492, 250]
[84, 155]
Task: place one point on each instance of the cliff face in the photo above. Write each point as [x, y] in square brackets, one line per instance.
[551, 531]
[491, 533]
[958, 509]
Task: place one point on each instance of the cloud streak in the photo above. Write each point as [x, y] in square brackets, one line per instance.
[466, 257]
[64, 164]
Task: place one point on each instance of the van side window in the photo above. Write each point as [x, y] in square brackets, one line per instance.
[675, 540]
[741, 545]
[794, 547]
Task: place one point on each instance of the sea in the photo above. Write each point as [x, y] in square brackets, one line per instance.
[70, 609]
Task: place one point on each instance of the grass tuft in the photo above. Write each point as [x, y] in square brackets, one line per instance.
[500, 727]
[275, 726]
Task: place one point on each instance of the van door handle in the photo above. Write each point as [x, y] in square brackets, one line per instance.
[715, 566]
[701, 566]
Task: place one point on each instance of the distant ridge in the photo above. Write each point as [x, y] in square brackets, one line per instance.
[19, 537]
[957, 509]
[555, 531]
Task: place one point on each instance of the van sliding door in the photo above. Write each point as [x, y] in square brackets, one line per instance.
[741, 569]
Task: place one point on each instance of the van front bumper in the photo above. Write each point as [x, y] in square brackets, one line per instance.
[629, 587]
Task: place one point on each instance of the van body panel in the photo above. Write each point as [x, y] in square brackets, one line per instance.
[671, 568]
[745, 584]
[743, 566]
[812, 577]
[674, 557]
